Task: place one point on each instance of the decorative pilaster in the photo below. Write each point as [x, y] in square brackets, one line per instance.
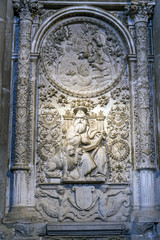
[145, 164]
[141, 13]
[25, 9]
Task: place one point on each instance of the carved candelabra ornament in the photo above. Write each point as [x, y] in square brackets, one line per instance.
[25, 10]
[118, 147]
[141, 12]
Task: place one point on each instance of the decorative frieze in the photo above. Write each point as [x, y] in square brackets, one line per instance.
[21, 196]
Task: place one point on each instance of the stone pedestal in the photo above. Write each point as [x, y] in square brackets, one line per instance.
[20, 188]
[147, 178]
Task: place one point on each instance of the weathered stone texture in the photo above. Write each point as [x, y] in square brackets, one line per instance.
[6, 29]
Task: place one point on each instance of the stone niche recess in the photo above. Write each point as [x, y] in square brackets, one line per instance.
[83, 122]
[84, 157]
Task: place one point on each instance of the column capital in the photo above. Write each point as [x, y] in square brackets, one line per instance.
[141, 11]
[27, 7]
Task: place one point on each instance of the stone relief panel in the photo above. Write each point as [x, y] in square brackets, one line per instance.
[83, 56]
[71, 147]
[83, 134]
[67, 204]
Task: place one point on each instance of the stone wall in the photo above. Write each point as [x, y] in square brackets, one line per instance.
[156, 32]
[6, 28]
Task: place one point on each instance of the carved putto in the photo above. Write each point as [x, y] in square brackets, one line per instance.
[83, 57]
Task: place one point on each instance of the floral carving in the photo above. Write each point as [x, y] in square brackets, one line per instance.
[140, 13]
[119, 150]
[48, 137]
[26, 10]
[46, 93]
[103, 101]
[23, 5]
[22, 93]
[62, 100]
[121, 94]
[118, 147]
[90, 104]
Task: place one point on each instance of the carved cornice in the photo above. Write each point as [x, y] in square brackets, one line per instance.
[141, 11]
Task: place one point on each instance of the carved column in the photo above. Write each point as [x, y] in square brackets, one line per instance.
[145, 164]
[20, 168]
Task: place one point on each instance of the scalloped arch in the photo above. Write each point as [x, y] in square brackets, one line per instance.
[92, 11]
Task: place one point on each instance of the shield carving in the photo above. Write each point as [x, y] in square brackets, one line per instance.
[83, 197]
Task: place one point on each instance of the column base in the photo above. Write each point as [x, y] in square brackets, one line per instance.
[21, 214]
[148, 214]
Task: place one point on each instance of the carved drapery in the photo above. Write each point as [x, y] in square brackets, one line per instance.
[141, 13]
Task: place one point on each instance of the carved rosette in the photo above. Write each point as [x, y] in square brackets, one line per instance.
[141, 13]
[25, 10]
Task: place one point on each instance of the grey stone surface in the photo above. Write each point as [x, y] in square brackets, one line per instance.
[156, 36]
[87, 229]
[2, 152]
[6, 29]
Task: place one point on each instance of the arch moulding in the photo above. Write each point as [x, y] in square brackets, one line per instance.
[79, 11]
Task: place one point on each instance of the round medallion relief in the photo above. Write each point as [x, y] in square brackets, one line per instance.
[119, 150]
[83, 56]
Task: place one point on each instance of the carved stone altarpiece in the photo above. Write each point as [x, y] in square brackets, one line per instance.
[81, 93]
[83, 131]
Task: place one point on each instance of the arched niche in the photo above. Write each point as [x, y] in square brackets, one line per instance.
[82, 11]
[83, 69]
